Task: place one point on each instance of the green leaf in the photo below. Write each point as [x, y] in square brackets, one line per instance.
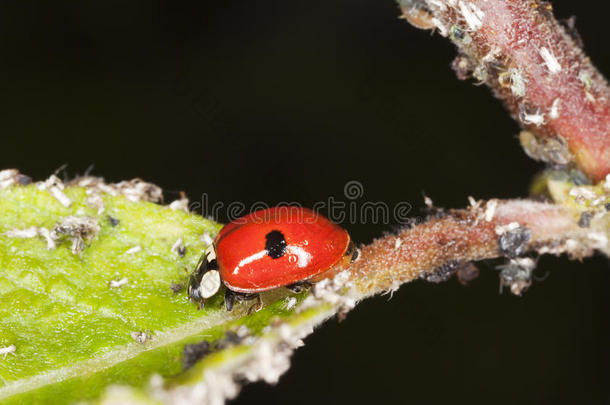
[115, 312]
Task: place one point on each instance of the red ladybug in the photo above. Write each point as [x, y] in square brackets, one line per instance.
[276, 247]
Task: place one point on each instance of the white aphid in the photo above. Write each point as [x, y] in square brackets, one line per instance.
[490, 210]
[582, 194]
[32, 232]
[7, 350]
[536, 119]
[55, 187]
[134, 250]
[180, 205]
[26, 233]
[585, 78]
[140, 337]
[118, 283]
[502, 229]
[550, 60]
[45, 233]
[289, 303]
[518, 82]
[554, 112]
[472, 15]
[206, 239]
[178, 247]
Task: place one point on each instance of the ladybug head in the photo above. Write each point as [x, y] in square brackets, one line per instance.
[205, 280]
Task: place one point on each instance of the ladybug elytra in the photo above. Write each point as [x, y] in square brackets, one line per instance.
[283, 246]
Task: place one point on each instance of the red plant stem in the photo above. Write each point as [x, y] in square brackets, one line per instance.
[466, 235]
[535, 67]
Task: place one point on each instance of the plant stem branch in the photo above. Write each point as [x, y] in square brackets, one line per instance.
[536, 67]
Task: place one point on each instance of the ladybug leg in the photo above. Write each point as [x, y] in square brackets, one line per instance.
[241, 297]
[229, 299]
[256, 307]
[232, 296]
[299, 286]
[352, 252]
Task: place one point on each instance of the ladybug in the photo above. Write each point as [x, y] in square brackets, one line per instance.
[283, 246]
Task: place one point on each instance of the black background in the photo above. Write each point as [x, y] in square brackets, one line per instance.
[287, 101]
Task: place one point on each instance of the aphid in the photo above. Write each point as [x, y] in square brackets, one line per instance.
[467, 273]
[513, 243]
[118, 283]
[442, 273]
[141, 337]
[417, 14]
[113, 221]
[585, 219]
[271, 248]
[7, 350]
[517, 274]
[192, 353]
[175, 287]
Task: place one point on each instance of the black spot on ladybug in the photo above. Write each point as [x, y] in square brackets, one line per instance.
[193, 353]
[276, 244]
[213, 265]
[514, 243]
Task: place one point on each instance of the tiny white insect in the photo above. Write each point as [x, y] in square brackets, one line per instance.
[502, 229]
[554, 113]
[133, 250]
[180, 205]
[206, 239]
[472, 15]
[536, 119]
[55, 186]
[23, 233]
[490, 210]
[140, 337]
[550, 60]
[8, 350]
[178, 247]
[118, 283]
[289, 303]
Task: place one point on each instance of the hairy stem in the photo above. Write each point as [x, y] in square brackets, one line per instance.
[536, 67]
[486, 230]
